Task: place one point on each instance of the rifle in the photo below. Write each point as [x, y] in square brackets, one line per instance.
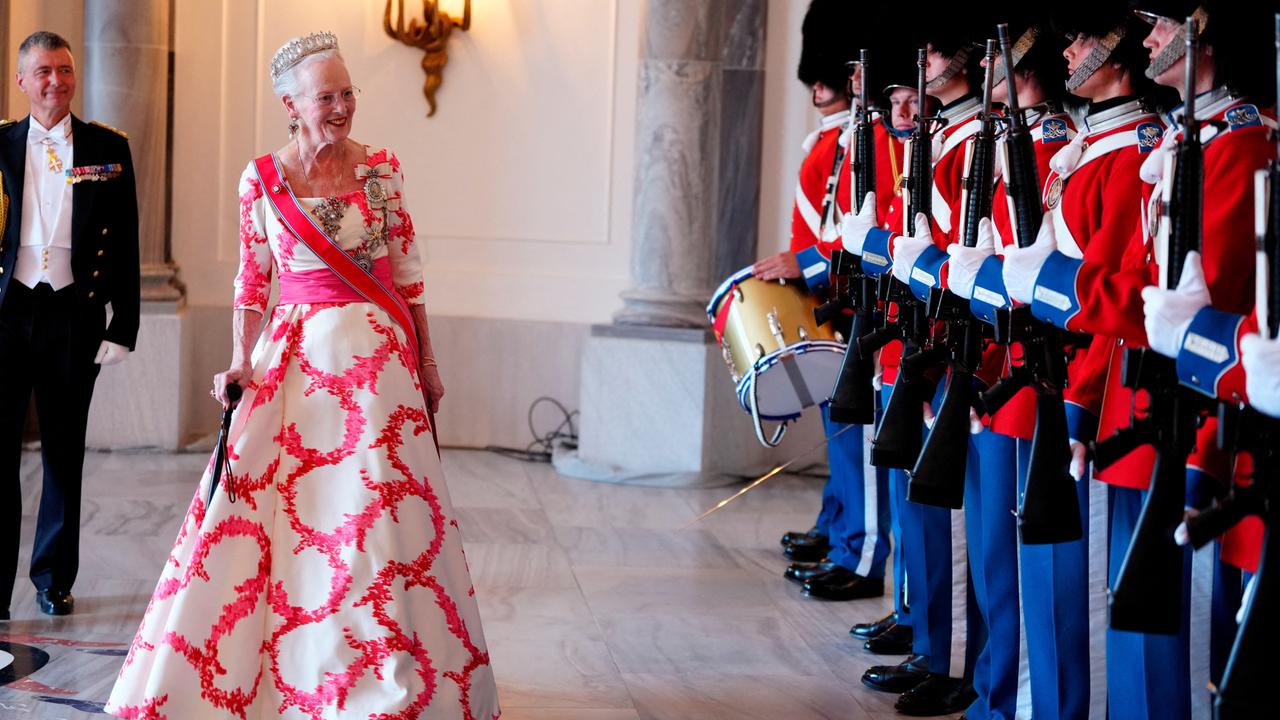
[939, 473]
[1049, 509]
[853, 398]
[899, 437]
[1246, 687]
[1147, 596]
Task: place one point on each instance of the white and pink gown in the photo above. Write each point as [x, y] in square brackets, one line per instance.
[334, 586]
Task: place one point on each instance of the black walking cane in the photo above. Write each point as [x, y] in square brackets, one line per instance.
[220, 453]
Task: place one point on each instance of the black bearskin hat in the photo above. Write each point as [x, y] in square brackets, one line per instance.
[829, 40]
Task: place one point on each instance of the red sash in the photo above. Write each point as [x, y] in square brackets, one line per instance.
[303, 226]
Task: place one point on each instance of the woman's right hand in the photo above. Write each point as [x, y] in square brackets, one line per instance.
[238, 374]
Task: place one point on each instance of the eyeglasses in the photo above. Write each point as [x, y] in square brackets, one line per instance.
[347, 96]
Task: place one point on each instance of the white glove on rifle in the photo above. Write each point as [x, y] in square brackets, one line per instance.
[1022, 265]
[965, 261]
[853, 232]
[1261, 361]
[908, 249]
[1168, 313]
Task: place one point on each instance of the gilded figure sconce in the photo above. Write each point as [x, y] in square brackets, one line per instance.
[431, 35]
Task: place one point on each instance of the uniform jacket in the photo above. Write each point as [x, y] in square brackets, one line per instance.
[104, 223]
[1096, 296]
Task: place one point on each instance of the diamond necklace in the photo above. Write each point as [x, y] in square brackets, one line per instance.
[328, 211]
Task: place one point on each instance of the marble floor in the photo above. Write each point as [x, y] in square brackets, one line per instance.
[598, 603]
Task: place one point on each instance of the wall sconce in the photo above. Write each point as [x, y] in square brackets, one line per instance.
[432, 36]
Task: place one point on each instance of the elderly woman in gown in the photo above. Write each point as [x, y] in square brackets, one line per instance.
[323, 577]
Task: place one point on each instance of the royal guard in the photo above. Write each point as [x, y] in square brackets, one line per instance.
[892, 634]
[849, 545]
[1063, 611]
[991, 496]
[937, 678]
[1088, 294]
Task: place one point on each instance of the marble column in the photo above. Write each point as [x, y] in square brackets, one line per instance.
[126, 83]
[698, 146]
[658, 406]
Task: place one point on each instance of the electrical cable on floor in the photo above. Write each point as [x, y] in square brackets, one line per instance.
[543, 444]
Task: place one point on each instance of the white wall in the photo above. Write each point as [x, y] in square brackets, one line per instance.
[519, 185]
[65, 17]
[788, 117]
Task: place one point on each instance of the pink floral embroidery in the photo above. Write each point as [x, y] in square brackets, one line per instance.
[370, 454]
[253, 282]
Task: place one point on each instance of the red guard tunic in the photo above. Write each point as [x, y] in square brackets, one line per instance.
[1018, 417]
[808, 225]
[948, 178]
[1095, 203]
[1091, 295]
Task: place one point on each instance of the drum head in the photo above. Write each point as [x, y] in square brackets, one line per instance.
[787, 383]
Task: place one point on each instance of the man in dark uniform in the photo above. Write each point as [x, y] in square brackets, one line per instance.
[70, 246]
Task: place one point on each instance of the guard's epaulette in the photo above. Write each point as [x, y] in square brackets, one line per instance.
[117, 131]
[1149, 135]
[1053, 130]
[1243, 116]
[7, 122]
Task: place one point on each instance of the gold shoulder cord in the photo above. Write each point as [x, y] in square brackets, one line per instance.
[105, 126]
[4, 205]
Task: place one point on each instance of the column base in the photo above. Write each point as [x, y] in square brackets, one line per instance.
[140, 403]
[659, 408]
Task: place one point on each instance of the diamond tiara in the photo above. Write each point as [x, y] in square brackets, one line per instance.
[298, 48]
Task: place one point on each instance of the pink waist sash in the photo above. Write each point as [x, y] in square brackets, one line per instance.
[324, 286]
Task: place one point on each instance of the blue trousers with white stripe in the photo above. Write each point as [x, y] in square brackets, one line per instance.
[1055, 606]
[991, 528]
[1148, 675]
[859, 527]
[937, 584]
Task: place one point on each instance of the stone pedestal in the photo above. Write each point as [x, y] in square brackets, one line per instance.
[657, 403]
[137, 403]
[659, 408]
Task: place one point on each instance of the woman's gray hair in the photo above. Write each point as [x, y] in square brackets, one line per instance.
[287, 82]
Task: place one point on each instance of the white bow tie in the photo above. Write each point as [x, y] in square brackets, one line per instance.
[58, 134]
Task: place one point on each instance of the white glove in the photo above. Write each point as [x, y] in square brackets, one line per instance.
[110, 353]
[853, 232]
[908, 249]
[965, 261]
[1261, 361]
[1078, 452]
[1169, 312]
[1247, 598]
[1022, 265]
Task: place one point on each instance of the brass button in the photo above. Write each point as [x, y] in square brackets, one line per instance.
[95, 273]
[1, 271]
[104, 231]
[44, 267]
[100, 252]
[90, 293]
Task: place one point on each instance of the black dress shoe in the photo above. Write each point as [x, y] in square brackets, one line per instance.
[808, 549]
[55, 602]
[938, 695]
[4, 614]
[803, 572]
[894, 641]
[844, 584]
[897, 678]
[869, 630]
[795, 536]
